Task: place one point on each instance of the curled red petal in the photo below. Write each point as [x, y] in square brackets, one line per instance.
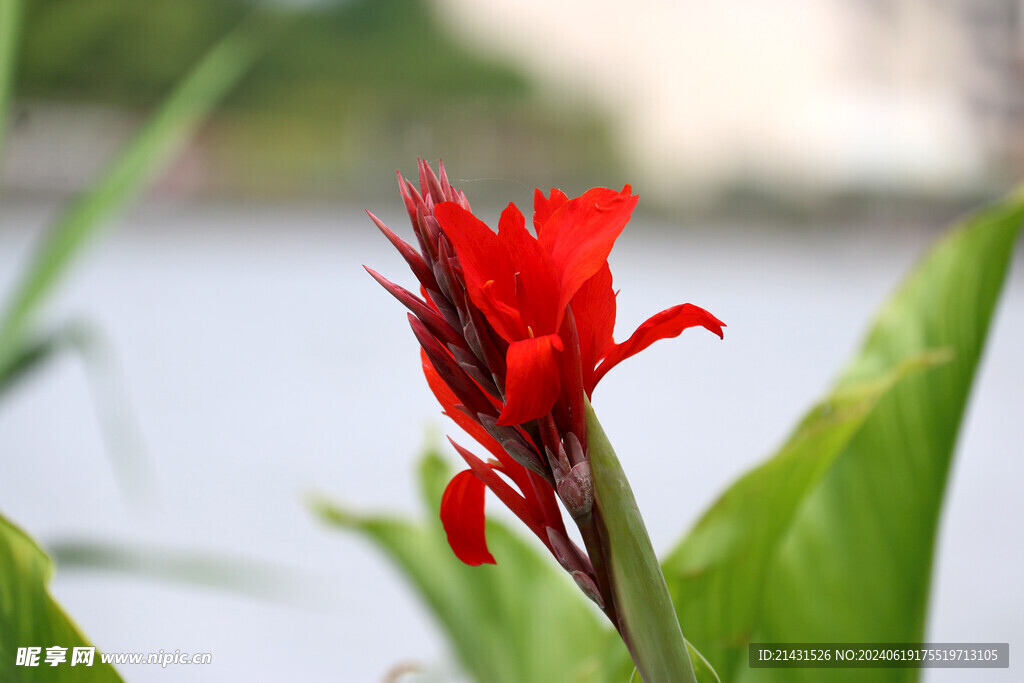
[531, 382]
[669, 323]
[580, 235]
[462, 515]
[593, 307]
[525, 508]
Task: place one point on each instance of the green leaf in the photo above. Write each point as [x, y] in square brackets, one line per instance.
[831, 540]
[29, 616]
[520, 620]
[244, 576]
[648, 619]
[136, 164]
[32, 353]
[718, 574]
[10, 29]
[112, 407]
[701, 666]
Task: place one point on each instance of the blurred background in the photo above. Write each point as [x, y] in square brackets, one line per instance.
[793, 159]
[774, 104]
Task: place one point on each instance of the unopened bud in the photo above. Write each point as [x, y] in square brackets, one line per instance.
[574, 449]
[513, 444]
[577, 491]
[565, 552]
[588, 587]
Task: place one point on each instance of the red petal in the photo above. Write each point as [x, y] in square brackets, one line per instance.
[593, 307]
[462, 514]
[531, 383]
[531, 514]
[488, 269]
[580, 235]
[544, 207]
[446, 397]
[536, 506]
[669, 323]
[536, 284]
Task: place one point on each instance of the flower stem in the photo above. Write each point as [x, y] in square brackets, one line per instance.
[590, 529]
[647, 619]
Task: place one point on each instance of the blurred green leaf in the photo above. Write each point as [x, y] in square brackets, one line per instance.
[240, 575]
[32, 353]
[29, 616]
[124, 444]
[137, 163]
[10, 30]
[645, 608]
[832, 539]
[701, 666]
[521, 620]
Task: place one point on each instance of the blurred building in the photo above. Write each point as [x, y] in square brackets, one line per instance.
[891, 96]
[994, 84]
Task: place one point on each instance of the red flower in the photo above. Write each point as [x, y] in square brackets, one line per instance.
[514, 330]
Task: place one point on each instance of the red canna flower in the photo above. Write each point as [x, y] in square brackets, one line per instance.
[515, 329]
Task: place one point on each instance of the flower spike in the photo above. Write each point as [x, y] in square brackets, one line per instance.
[516, 330]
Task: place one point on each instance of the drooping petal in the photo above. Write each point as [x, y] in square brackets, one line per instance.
[462, 515]
[531, 383]
[593, 307]
[669, 323]
[544, 207]
[580, 235]
[526, 508]
[449, 402]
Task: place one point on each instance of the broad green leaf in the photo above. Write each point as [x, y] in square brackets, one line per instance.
[718, 575]
[832, 539]
[133, 168]
[29, 616]
[520, 620]
[641, 597]
[865, 540]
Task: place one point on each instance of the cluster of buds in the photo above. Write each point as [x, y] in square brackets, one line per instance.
[516, 331]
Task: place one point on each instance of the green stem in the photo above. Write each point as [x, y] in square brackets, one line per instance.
[647, 618]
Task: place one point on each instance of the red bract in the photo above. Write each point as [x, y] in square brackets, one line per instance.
[515, 329]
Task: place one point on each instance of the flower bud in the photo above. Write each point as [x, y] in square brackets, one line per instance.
[577, 491]
[588, 587]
